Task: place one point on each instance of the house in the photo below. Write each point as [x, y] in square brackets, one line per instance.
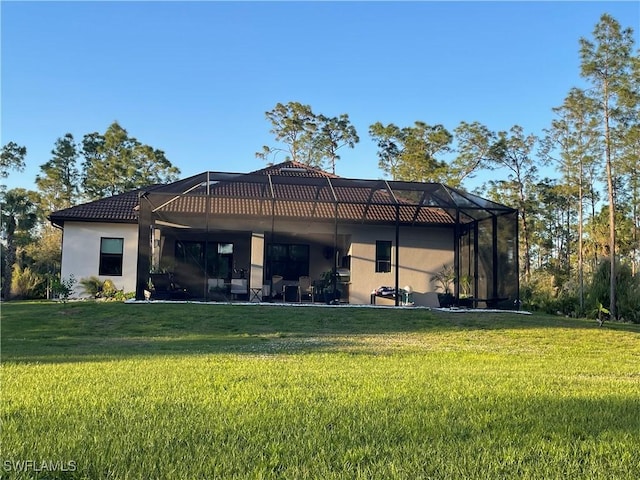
[256, 234]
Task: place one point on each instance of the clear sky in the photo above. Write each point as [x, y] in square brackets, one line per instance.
[196, 78]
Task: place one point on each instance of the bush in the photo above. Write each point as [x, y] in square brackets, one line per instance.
[91, 286]
[627, 291]
[104, 289]
[121, 296]
[543, 293]
[109, 289]
[62, 288]
[24, 282]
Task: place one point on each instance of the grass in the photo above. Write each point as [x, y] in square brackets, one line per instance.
[229, 391]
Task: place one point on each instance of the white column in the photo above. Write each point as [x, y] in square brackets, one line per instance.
[257, 261]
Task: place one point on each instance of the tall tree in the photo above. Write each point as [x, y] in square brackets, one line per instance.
[412, 153]
[390, 147]
[474, 147]
[606, 62]
[333, 134]
[513, 151]
[628, 137]
[551, 218]
[59, 177]
[19, 217]
[574, 137]
[309, 138]
[630, 168]
[115, 162]
[151, 166]
[293, 124]
[11, 158]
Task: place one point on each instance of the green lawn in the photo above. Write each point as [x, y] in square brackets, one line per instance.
[189, 391]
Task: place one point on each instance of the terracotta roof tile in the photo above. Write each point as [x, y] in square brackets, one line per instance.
[249, 195]
[116, 209]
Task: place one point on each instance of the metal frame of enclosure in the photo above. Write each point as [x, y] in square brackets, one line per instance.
[485, 233]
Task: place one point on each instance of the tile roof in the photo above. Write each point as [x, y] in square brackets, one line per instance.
[289, 189]
[116, 209]
[294, 169]
[309, 202]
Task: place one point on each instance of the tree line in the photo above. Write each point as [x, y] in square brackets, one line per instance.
[98, 166]
[579, 231]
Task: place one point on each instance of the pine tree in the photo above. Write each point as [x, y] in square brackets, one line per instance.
[59, 178]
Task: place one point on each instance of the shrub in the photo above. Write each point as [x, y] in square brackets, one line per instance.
[109, 289]
[24, 282]
[62, 288]
[627, 291]
[121, 296]
[92, 286]
[544, 293]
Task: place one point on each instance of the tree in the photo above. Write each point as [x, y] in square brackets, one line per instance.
[512, 150]
[59, 178]
[11, 158]
[551, 219]
[630, 169]
[19, 217]
[115, 162]
[628, 137]
[475, 146]
[308, 138]
[293, 124]
[333, 134]
[390, 147]
[410, 153]
[44, 255]
[574, 137]
[606, 63]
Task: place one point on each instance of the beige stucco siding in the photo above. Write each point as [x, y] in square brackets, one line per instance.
[423, 252]
[81, 252]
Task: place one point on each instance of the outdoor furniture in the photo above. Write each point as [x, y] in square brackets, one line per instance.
[217, 289]
[291, 293]
[255, 294]
[266, 291]
[276, 286]
[238, 286]
[216, 285]
[387, 293]
[305, 288]
[164, 288]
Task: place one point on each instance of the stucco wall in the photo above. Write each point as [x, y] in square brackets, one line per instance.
[81, 252]
[423, 252]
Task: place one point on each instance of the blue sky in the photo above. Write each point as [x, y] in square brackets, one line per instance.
[196, 78]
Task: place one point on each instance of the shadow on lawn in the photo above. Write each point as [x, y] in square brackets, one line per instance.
[90, 331]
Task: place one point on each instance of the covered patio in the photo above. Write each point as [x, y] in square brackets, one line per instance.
[254, 237]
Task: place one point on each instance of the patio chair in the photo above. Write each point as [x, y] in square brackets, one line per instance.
[276, 286]
[239, 287]
[305, 288]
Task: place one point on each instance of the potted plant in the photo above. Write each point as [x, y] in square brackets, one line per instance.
[444, 279]
[328, 291]
[466, 299]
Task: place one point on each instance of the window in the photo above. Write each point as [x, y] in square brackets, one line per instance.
[383, 256]
[111, 256]
[289, 260]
